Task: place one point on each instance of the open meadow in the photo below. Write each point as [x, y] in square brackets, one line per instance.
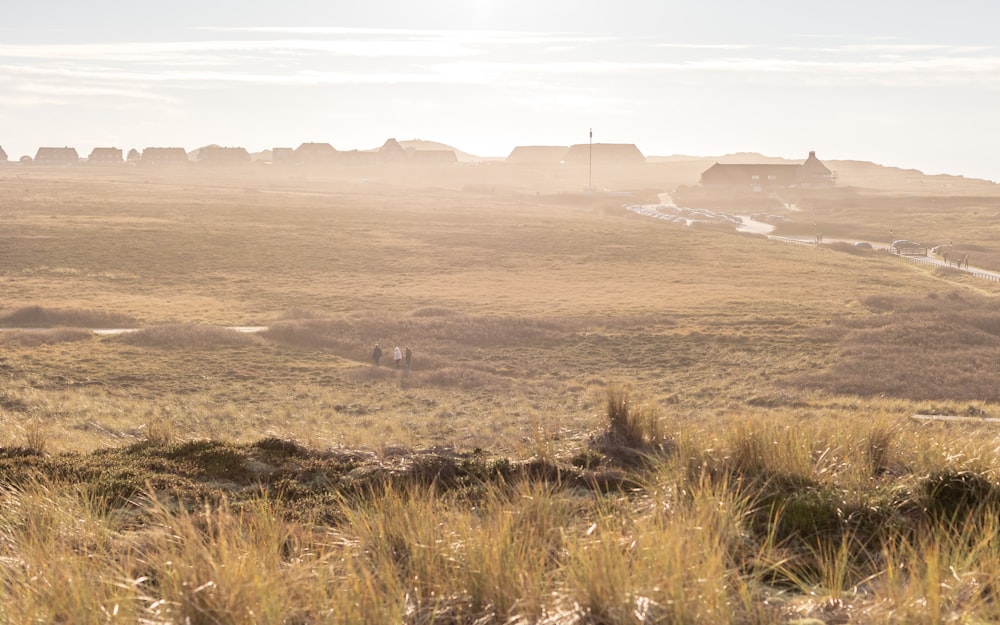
[609, 419]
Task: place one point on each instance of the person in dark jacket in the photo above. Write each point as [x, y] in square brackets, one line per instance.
[407, 358]
[377, 354]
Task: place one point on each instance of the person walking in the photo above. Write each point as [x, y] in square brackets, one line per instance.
[376, 354]
[408, 358]
[397, 356]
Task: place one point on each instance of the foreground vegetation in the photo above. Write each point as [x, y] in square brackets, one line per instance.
[608, 420]
[754, 522]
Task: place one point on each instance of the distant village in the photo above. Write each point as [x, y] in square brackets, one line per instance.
[754, 177]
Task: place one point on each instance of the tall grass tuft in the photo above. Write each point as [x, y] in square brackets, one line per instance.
[36, 438]
[159, 431]
[628, 424]
[221, 564]
[879, 447]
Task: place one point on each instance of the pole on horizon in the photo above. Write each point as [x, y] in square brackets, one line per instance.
[590, 163]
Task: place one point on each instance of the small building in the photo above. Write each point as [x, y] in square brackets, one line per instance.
[105, 156]
[57, 156]
[163, 157]
[3, 155]
[216, 155]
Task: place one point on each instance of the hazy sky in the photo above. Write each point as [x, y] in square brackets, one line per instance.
[907, 83]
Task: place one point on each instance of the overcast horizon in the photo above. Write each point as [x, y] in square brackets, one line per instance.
[901, 84]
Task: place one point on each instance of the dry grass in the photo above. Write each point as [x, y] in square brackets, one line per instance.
[236, 532]
[768, 472]
[36, 338]
[935, 347]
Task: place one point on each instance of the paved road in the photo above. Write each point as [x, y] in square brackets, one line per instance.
[668, 211]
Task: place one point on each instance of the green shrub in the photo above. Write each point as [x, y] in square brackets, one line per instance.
[953, 496]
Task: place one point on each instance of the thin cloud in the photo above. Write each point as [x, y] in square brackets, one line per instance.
[704, 46]
[383, 34]
[64, 91]
[202, 51]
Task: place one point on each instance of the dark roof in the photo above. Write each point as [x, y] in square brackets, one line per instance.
[105, 154]
[783, 174]
[57, 155]
[538, 154]
[217, 154]
[315, 149]
[315, 153]
[164, 155]
[391, 145]
[813, 167]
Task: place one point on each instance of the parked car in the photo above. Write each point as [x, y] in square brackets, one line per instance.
[865, 245]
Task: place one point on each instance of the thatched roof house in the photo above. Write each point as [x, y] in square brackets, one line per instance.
[105, 156]
[3, 155]
[391, 151]
[758, 177]
[315, 154]
[815, 172]
[164, 157]
[56, 156]
[216, 155]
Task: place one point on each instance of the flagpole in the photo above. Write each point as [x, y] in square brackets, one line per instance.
[590, 163]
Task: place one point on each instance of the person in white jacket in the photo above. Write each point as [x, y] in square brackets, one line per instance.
[397, 356]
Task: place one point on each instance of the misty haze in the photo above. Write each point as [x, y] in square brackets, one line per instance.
[498, 313]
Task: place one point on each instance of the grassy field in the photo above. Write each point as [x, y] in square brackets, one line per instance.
[609, 419]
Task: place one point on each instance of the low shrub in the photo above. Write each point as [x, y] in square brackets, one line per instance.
[40, 317]
[952, 496]
[188, 336]
[37, 338]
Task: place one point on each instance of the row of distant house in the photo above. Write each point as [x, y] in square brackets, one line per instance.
[305, 154]
[149, 156]
[756, 177]
[324, 153]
